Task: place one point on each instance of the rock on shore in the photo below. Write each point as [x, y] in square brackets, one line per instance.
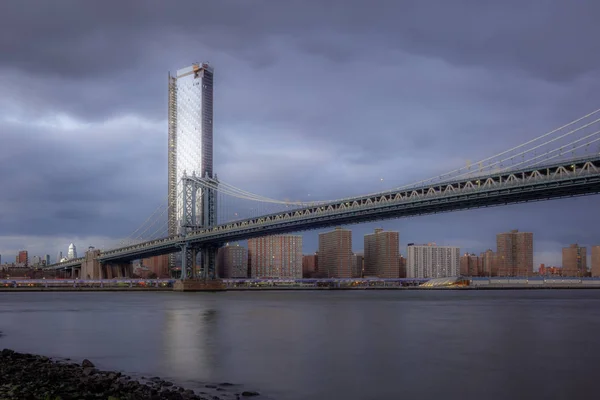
[28, 376]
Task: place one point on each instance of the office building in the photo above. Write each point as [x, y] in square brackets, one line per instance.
[382, 254]
[190, 139]
[232, 261]
[47, 259]
[335, 253]
[432, 261]
[59, 257]
[470, 265]
[23, 258]
[310, 263]
[72, 252]
[574, 261]
[596, 261]
[275, 256]
[514, 254]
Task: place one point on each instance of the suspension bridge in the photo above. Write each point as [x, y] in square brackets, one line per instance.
[564, 162]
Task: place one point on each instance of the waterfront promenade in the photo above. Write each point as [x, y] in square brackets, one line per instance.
[153, 285]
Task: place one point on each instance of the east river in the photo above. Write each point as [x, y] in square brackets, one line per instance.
[525, 344]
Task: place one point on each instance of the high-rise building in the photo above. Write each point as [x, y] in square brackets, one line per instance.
[574, 261]
[514, 254]
[335, 253]
[59, 257]
[358, 264]
[23, 258]
[275, 256]
[36, 261]
[232, 261]
[595, 260]
[72, 252]
[310, 263]
[489, 267]
[190, 139]
[158, 265]
[432, 261]
[402, 267]
[471, 265]
[47, 259]
[382, 254]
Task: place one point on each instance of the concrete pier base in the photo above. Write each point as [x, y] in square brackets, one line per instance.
[199, 285]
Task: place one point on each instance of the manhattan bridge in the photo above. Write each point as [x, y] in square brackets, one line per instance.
[564, 162]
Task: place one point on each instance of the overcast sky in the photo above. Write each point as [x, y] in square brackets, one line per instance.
[323, 97]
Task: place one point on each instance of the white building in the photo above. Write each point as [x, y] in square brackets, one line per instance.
[72, 253]
[190, 135]
[432, 261]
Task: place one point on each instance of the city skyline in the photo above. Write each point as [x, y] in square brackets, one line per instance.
[84, 147]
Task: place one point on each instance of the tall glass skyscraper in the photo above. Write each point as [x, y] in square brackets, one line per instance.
[190, 135]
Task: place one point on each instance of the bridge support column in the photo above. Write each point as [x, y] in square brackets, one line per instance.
[209, 262]
[188, 261]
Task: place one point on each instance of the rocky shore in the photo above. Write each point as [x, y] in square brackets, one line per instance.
[28, 376]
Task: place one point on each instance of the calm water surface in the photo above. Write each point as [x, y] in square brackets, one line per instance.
[328, 345]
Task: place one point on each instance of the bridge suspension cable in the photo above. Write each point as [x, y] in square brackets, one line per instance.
[510, 155]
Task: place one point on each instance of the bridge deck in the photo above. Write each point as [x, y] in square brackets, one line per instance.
[568, 178]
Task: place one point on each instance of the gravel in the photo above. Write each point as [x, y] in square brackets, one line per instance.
[29, 376]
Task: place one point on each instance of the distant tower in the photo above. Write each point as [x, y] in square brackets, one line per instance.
[72, 253]
[59, 257]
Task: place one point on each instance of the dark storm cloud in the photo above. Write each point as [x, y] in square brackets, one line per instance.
[312, 97]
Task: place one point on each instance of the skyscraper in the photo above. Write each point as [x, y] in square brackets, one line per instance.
[514, 254]
[574, 261]
[275, 256]
[335, 253]
[596, 261]
[23, 258]
[382, 254]
[190, 140]
[72, 252]
[431, 261]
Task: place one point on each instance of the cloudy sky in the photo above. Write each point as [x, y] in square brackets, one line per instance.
[323, 97]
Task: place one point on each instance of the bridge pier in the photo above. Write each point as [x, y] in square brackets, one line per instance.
[209, 261]
[115, 271]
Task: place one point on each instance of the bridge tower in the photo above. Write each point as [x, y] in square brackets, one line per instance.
[199, 211]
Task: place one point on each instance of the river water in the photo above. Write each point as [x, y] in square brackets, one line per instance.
[527, 344]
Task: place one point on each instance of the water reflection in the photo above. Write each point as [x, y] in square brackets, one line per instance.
[327, 345]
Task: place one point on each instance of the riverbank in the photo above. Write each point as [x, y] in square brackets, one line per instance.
[302, 289]
[28, 376]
